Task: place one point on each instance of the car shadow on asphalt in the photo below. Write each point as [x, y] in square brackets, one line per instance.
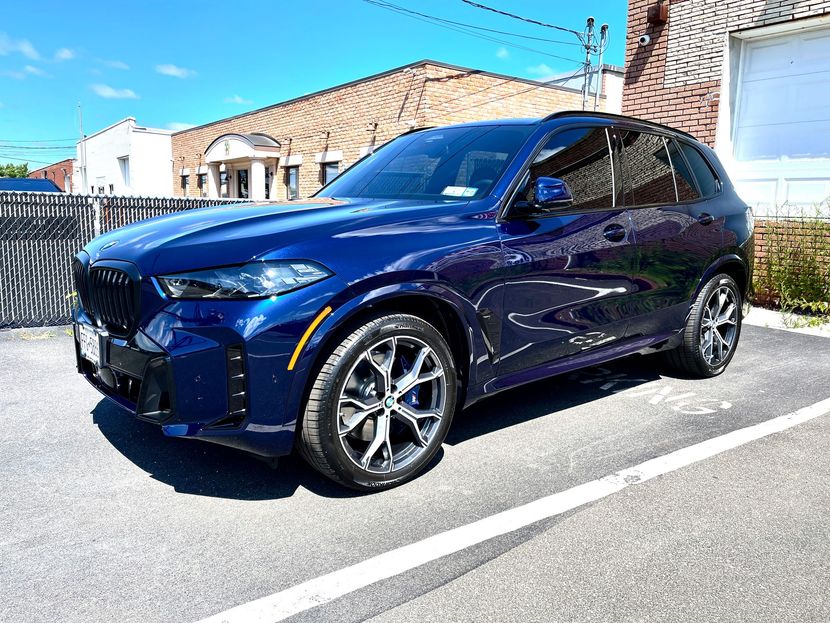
[548, 396]
[200, 468]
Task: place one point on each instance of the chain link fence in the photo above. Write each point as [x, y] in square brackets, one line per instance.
[41, 232]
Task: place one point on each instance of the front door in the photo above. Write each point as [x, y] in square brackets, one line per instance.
[569, 270]
[242, 183]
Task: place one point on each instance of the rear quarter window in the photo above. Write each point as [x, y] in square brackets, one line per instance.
[705, 176]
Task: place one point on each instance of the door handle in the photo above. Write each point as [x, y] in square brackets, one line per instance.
[705, 219]
[614, 232]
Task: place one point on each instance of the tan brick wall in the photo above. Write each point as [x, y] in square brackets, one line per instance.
[429, 94]
[675, 80]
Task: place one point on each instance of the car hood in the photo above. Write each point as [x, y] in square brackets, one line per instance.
[235, 234]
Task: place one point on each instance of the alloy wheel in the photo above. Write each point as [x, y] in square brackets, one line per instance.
[718, 327]
[391, 404]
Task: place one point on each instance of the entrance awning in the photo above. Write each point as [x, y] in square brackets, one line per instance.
[230, 147]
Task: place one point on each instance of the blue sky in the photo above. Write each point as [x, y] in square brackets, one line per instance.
[175, 64]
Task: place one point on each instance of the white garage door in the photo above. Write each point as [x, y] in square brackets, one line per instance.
[782, 122]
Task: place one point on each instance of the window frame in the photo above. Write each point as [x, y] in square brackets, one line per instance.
[521, 178]
[287, 183]
[323, 167]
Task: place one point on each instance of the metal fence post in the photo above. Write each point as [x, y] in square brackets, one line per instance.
[96, 215]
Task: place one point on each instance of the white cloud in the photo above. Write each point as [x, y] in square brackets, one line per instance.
[175, 71]
[177, 126]
[116, 65]
[108, 92]
[17, 75]
[64, 54]
[236, 99]
[540, 70]
[502, 52]
[20, 46]
[34, 71]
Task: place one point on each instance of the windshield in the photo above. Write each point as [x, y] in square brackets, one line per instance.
[448, 163]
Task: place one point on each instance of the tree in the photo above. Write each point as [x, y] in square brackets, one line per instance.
[14, 170]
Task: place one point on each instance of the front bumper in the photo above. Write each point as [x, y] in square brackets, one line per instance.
[140, 381]
[201, 380]
[213, 369]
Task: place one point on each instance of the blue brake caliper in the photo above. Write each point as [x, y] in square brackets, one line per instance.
[411, 397]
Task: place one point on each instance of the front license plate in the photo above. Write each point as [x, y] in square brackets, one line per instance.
[89, 340]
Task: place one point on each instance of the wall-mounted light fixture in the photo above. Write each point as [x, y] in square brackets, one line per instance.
[658, 13]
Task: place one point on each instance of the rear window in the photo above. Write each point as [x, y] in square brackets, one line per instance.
[706, 178]
[650, 179]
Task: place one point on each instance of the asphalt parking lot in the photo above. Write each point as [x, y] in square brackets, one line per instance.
[104, 519]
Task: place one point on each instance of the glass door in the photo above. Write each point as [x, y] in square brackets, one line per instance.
[242, 183]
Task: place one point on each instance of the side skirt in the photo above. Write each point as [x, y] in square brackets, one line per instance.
[630, 346]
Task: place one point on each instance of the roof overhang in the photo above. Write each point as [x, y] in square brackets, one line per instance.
[229, 147]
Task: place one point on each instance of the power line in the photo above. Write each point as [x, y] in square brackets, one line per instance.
[389, 7]
[384, 4]
[508, 95]
[26, 160]
[524, 19]
[51, 140]
[507, 81]
[28, 147]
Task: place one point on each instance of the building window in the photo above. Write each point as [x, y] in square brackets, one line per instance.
[112, 189]
[292, 182]
[185, 183]
[201, 182]
[328, 171]
[124, 165]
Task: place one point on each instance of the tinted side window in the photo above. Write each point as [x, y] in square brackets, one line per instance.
[686, 189]
[650, 179]
[581, 159]
[706, 179]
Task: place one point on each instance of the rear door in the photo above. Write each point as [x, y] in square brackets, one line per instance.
[676, 238]
[569, 269]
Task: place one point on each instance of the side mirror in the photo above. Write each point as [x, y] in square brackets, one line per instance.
[551, 192]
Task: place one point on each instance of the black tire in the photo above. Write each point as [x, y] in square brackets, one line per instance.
[320, 433]
[689, 356]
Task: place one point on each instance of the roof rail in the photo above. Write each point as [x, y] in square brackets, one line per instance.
[613, 117]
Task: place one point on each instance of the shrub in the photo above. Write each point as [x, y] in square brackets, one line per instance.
[792, 270]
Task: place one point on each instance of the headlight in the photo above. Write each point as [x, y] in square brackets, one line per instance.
[254, 280]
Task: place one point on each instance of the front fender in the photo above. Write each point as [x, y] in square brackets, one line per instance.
[346, 309]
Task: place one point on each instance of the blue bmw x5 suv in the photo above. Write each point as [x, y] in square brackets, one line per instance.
[449, 265]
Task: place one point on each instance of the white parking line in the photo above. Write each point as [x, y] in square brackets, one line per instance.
[329, 587]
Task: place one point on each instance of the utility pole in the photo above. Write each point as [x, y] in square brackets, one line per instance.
[603, 38]
[83, 147]
[588, 42]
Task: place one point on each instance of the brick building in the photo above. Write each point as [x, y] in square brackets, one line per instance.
[60, 173]
[750, 78]
[291, 148]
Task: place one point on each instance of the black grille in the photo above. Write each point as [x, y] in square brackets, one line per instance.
[81, 284]
[114, 298]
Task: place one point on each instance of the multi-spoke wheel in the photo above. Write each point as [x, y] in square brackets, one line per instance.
[381, 404]
[712, 329]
